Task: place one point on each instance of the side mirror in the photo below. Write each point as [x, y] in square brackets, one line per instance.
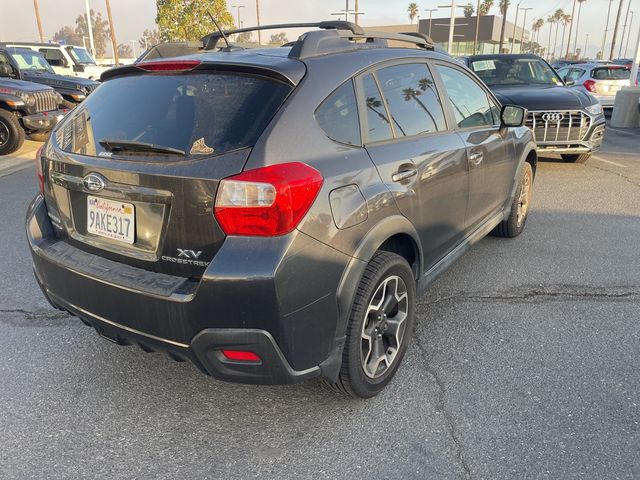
[6, 70]
[78, 68]
[568, 82]
[513, 116]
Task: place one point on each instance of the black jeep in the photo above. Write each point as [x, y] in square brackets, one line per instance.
[31, 66]
[26, 108]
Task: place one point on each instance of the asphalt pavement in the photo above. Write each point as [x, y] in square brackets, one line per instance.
[524, 364]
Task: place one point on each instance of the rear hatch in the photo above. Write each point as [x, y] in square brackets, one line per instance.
[133, 171]
[610, 79]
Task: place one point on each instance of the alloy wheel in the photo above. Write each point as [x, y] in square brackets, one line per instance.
[524, 200]
[4, 134]
[384, 326]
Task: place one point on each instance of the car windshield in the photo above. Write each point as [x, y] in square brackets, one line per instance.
[30, 60]
[515, 71]
[191, 115]
[81, 56]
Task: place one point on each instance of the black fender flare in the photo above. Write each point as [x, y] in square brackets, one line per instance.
[348, 286]
[529, 148]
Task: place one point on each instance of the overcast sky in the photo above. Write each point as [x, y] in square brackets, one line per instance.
[132, 17]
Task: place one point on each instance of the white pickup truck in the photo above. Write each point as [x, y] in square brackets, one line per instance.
[65, 59]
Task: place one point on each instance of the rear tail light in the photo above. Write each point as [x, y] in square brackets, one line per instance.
[267, 201]
[241, 356]
[590, 85]
[39, 169]
[169, 66]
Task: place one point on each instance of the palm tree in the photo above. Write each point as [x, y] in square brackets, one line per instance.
[537, 26]
[580, 2]
[413, 11]
[504, 6]
[468, 11]
[551, 20]
[559, 14]
[485, 6]
[413, 94]
[565, 20]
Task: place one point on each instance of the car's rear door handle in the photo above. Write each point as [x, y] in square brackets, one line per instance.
[476, 158]
[404, 174]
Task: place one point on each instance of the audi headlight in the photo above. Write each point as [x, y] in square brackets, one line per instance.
[595, 109]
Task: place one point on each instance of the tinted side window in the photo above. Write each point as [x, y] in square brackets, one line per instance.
[412, 99]
[54, 57]
[575, 74]
[338, 115]
[378, 127]
[468, 100]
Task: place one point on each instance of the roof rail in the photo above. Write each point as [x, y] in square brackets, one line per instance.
[210, 41]
[313, 44]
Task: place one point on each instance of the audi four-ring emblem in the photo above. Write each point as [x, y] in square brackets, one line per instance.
[552, 117]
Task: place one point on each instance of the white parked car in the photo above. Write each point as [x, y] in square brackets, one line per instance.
[601, 81]
[66, 59]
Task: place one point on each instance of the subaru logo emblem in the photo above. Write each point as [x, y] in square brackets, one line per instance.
[553, 117]
[94, 182]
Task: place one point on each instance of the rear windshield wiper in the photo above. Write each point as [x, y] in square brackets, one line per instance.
[136, 146]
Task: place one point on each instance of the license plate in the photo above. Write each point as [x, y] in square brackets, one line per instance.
[111, 219]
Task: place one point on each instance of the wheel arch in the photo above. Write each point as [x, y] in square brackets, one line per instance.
[393, 234]
[532, 158]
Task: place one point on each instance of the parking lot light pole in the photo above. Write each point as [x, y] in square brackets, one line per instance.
[430, 10]
[586, 42]
[238, 7]
[524, 25]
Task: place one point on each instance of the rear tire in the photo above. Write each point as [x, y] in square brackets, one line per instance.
[380, 326]
[576, 158]
[514, 224]
[11, 133]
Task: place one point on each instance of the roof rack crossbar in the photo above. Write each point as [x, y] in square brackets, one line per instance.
[210, 41]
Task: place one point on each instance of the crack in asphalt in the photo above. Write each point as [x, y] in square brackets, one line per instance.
[33, 319]
[549, 292]
[441, 407]
[618, 174]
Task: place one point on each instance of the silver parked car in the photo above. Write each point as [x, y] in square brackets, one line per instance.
[601, 81]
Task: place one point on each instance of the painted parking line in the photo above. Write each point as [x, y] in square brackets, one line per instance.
[615, 164]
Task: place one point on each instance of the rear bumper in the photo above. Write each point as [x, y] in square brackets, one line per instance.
[284, 311]
[607, 101]
[591, 142]
[42, 122]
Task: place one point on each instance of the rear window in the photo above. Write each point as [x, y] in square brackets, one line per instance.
[610, 73]
[189, 115]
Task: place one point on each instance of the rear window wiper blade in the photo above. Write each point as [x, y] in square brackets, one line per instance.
[136, 146]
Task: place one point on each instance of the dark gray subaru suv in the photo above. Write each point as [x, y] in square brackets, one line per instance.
[271, 214]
